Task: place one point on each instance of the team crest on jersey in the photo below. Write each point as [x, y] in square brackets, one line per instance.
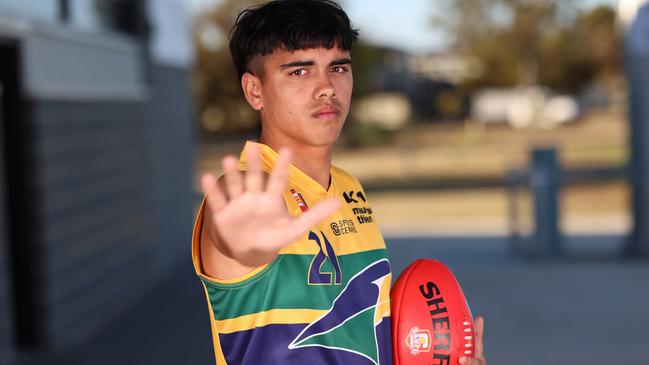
[357, 311]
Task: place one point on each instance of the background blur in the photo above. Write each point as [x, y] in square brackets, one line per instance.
[507, 138]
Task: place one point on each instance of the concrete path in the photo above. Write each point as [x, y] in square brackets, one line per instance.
[590, 308]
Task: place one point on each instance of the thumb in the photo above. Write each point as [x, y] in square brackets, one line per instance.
[315, 215]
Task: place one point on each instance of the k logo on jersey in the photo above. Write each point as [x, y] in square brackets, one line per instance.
[350, 197]
[358, 309]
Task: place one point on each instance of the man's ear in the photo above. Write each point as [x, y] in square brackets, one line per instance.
[251, 85]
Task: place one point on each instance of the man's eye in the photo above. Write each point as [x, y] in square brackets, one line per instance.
[339, 69]
[298, 72]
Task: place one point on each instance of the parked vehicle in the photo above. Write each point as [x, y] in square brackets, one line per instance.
[524, 107]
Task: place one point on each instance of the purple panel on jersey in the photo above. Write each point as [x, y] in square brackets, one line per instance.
[269, 345]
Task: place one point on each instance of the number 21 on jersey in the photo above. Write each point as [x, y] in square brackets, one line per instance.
[324, 268]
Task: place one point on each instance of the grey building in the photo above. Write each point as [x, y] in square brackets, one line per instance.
[96, 136]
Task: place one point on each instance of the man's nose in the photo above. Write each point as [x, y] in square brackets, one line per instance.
[325, 88]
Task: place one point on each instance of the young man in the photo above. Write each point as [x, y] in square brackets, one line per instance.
[289, 252]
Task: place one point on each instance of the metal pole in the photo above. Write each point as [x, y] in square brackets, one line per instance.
[545, 189]
[637, 67]
[513, 185]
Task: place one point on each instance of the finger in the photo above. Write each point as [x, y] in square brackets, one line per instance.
[479, 336]
[233, 183]
[315, 215]
[279, 176]
[213, 193]
[465, 360]
[253, 169]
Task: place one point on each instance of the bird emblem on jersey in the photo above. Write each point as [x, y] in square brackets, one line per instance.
[357, 310]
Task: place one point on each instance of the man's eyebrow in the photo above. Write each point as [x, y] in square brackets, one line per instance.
[297, 64]
[336, 62]
[341, 61]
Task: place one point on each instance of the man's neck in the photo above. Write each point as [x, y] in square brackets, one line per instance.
[315, 161]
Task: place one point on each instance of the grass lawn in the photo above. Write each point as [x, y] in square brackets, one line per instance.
[469, 151]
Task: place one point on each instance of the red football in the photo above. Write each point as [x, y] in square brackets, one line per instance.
[431, 321]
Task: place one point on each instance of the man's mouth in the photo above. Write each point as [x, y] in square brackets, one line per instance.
[327, 112]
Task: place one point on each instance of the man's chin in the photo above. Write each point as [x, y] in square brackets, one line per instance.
[324, 139]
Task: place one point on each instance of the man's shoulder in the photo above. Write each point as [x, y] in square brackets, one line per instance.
[343, 176]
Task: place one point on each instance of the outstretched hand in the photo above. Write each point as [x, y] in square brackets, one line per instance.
[479, 358]
[249, 218]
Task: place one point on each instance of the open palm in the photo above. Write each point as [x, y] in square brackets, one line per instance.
[250, 217]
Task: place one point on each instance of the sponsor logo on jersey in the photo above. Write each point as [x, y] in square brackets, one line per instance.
[363, 215]
[350, 196]
[343, 227]
[357, 310]
[418, 341]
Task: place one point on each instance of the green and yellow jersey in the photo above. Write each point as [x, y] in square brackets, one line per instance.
[325, 298]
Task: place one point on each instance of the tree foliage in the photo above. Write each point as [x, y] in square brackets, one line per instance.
[522, 42]
[220, 103]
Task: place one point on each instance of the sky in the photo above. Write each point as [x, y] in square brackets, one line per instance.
[401, 24]
[415, 31]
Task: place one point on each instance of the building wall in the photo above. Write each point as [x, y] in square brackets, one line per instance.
[6, 338]
[101, 199]
[115, 212]
[172, 143]
[8, 83]
[95, 213]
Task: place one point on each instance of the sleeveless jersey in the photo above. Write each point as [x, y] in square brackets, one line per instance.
[324, 300]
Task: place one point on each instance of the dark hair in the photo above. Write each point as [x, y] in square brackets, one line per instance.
[289, 25]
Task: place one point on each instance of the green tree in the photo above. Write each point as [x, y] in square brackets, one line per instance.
[220, 103]
[586, 50]
[522, 42]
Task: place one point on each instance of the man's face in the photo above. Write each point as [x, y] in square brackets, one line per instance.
[305, 95]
